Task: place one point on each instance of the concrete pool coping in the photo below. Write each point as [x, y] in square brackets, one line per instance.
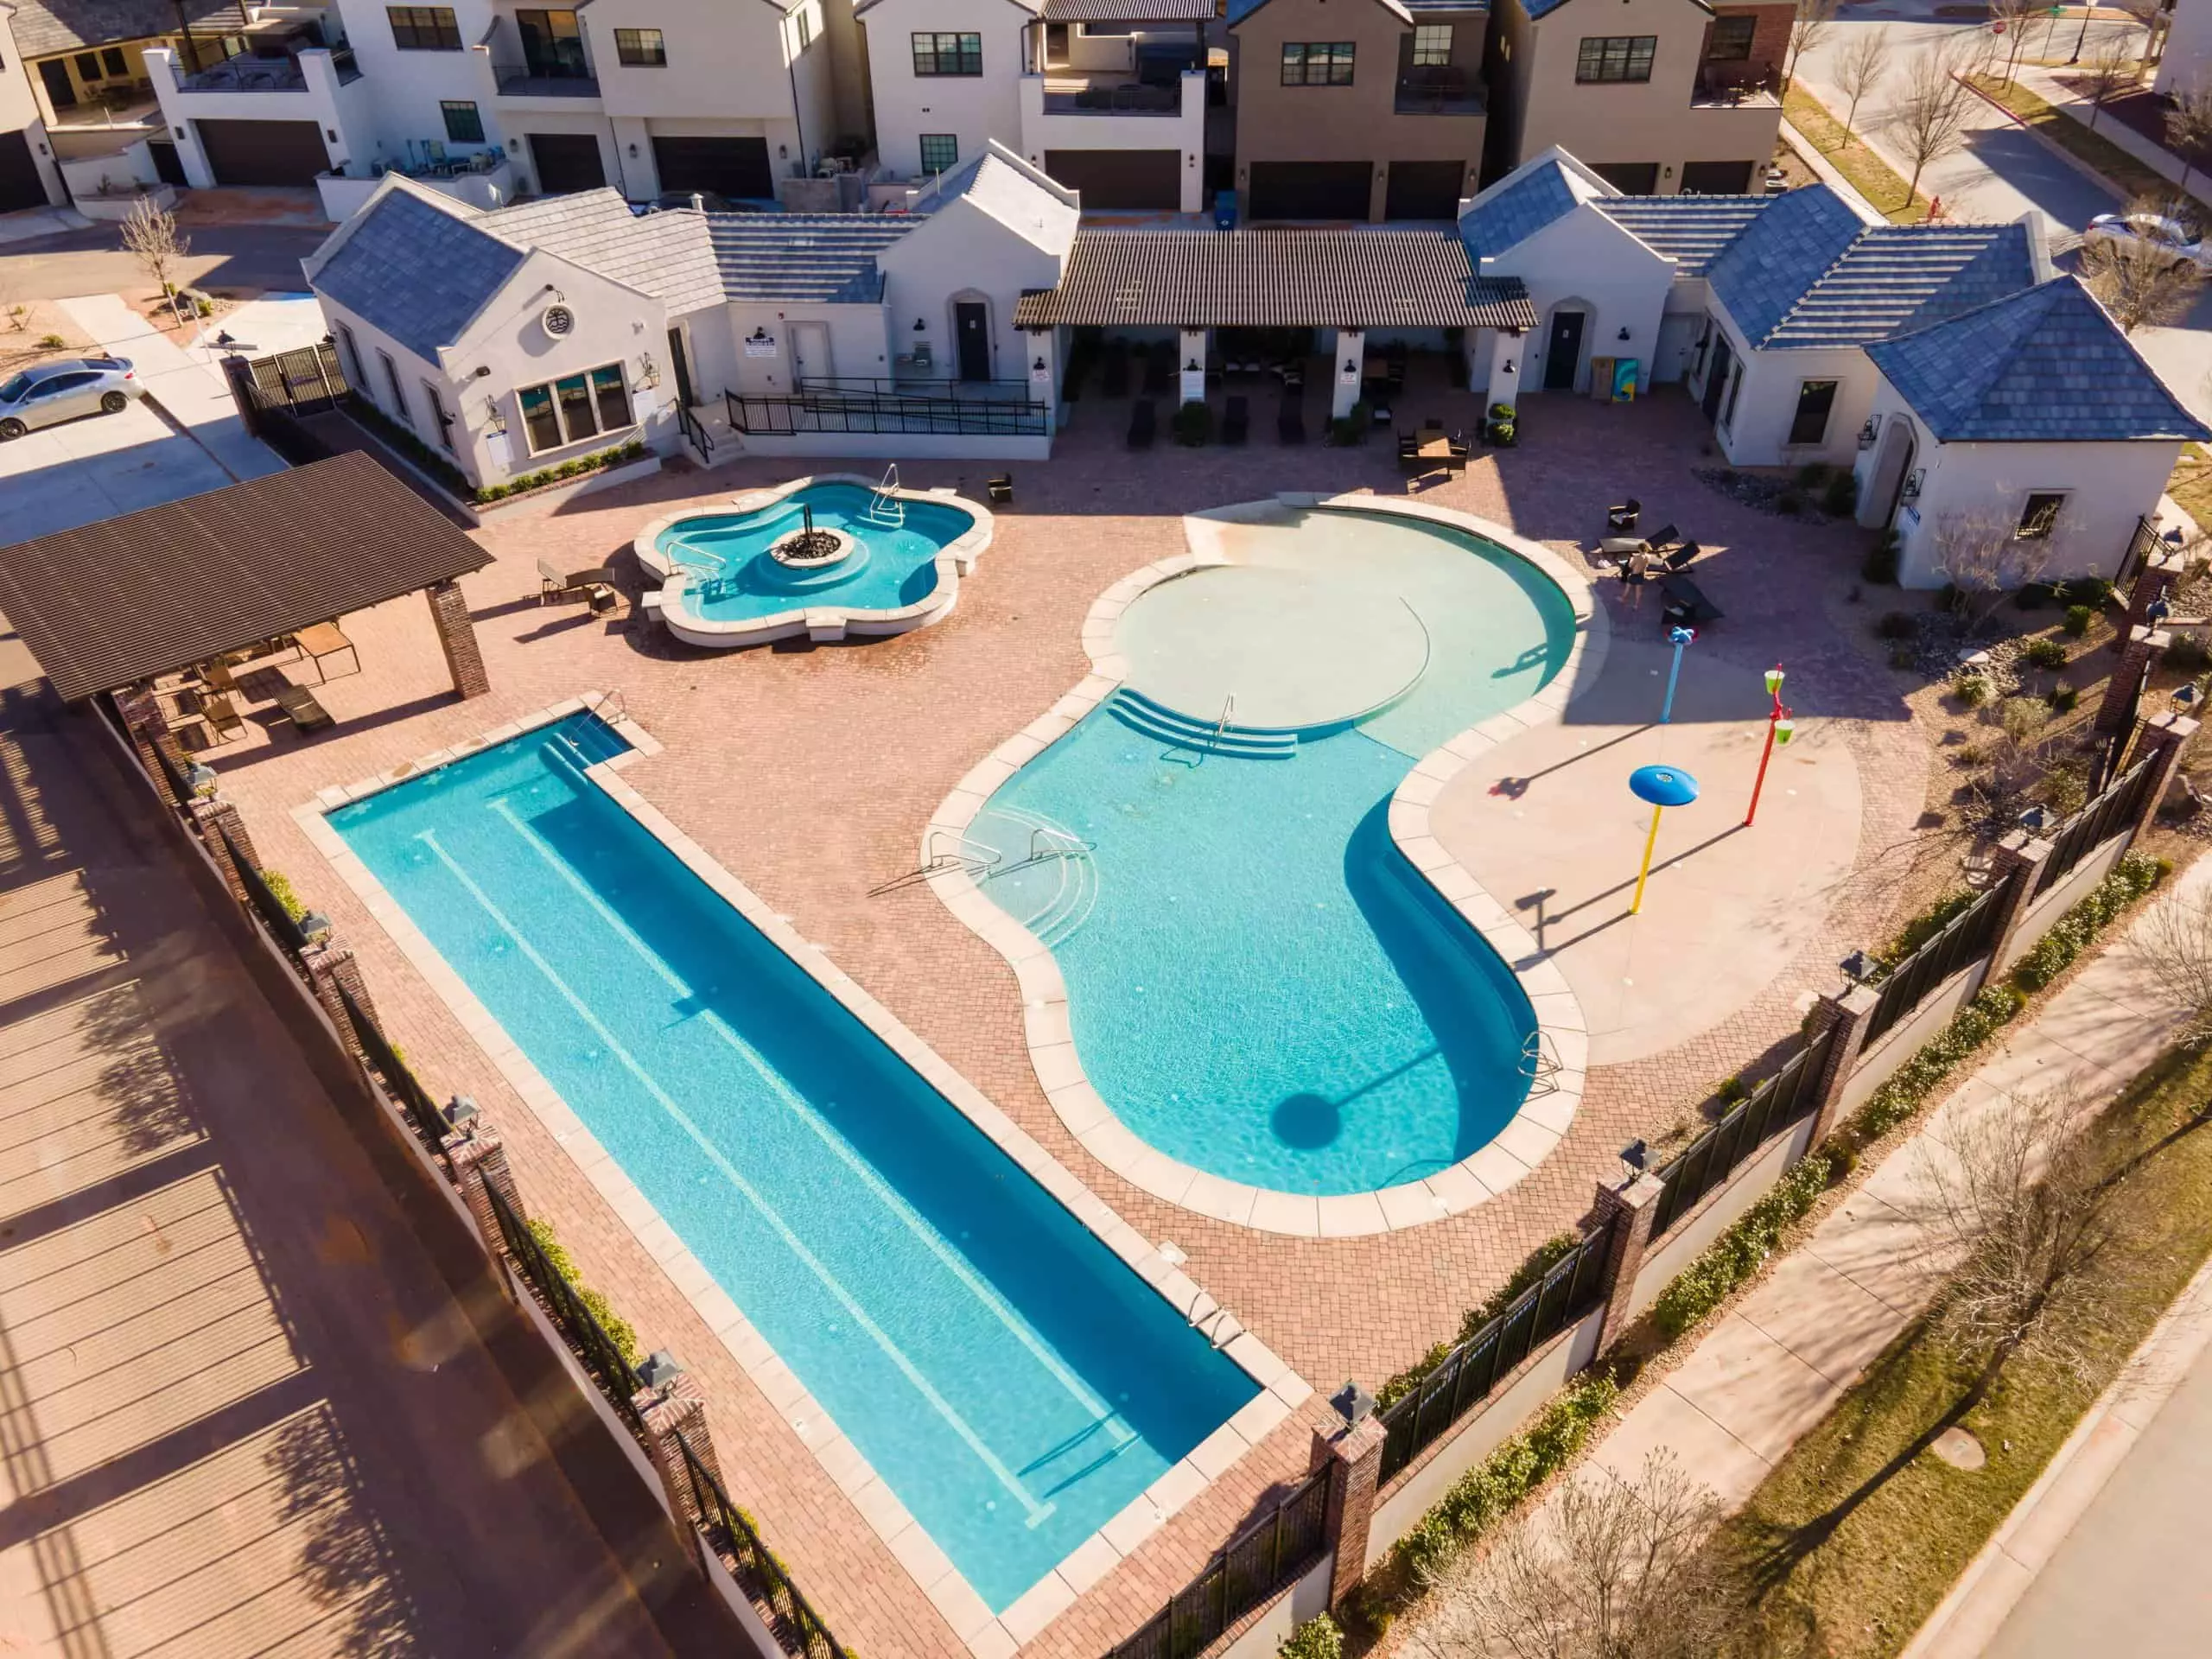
[821, 622]
[1562, 1030]
[987, 1636]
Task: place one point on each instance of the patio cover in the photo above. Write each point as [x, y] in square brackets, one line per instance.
[1129, 11]
[149, 593]
[1275, 279]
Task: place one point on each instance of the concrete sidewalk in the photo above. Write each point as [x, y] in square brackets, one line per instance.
[189, 385]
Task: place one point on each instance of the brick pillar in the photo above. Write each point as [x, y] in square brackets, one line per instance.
[2165, 735]
[457, 639]
[1629, 1211]
[675, 1407]
[2020, 859]
[330, 967]
[1846, 1016]
[150, 732]
[2126, 685]
[1353, 1456]
[211, 813]
[478, 1157]
[2157, 579]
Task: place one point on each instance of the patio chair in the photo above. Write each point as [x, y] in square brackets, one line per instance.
[1683, 557]
[1001, 490]
[556, 587]
[1662, 538]
[1624, 517]
[1143, 420]
[223, 717]
[1237, 420]
[1290, 423]
[1456, 459]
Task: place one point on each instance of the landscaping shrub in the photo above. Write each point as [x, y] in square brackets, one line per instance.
[1731, 1090]
[2021, 718]
[2078, 618]
[1839, 497]
[1813, 475]
[1970, 688]
[52, 342]
[2096, 591]
[1789, 502]
[1539, 1262]
[2034, 595]
[1896, 625]
[2063, 698]
[2188, 654]
[1486, 1493]
[617, 1328]
[567, 469]
[1880, 564]
[280, 885]
[1317, 1638]
[1192, 425]
[1903, 1091]
[2045, 654]
[2133, 877]
[1736, 1255]
[1924, 927]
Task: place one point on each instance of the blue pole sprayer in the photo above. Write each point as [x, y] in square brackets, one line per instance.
[1678, 637]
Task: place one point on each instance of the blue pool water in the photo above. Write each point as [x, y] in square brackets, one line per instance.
[1012, 1382]
[1260, 985]
[892, 565]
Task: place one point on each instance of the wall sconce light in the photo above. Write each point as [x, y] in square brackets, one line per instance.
[1911, 491]
[1622, 335]
[1350, 368]
[920, 327]
[1869, 432]
[1858, 967]
[783, 152]
[1509, 368]
[633, 152]
[757, 334]
[1038, 366]
[495, 421]
[1190, 367]
[648, 372]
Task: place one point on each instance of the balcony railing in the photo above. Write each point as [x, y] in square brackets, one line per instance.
[543, 81]
[1444, 89]
[252, 75]
[1718, 91]
[1112, 98]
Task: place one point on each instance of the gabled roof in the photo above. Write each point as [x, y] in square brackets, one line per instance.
[1893, 273]
[1780, 255]
[1126, 12]
[2047, 364]
[43, 28]
[1522, 204]
[667, 255]
[1690, 229]
[1262, 279]
[1545, 8]
[418, 267]
[1240, 9]
[1028, 202]
[826, 257]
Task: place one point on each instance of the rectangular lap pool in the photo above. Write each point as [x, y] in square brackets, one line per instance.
[1007, 1376]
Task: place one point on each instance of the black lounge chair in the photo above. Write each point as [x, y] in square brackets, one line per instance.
[1114, 378]
[1660, 539]
[1142, 423]
[1683, 557]
[1685, 604]
[1001, 490]
[1290, 424]
[1237, 420]
[1624, 517]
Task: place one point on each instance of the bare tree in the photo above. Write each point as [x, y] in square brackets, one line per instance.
[2189, 126]
[2174, 943]
[1984, 555]
[1608, 1569]
[2111, 69]
[2139, 280]
[1859, 68]
[1808, 25]
[1929, 122]
[2012, 17]
[150, 235]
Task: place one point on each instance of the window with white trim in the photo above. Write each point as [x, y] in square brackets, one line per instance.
[1431, 45]
[1815, 399]
[2040, 515]
[574, 408]
[1317, 63]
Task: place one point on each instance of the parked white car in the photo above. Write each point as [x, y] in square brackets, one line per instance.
[2154, 230]
[53, 392]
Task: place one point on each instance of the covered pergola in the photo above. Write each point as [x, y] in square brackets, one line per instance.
[1353, 281]
[116, 606]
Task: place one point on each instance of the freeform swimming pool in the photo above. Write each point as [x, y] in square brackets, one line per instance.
[1007, 1376]
[1258, 983]
[902, 555]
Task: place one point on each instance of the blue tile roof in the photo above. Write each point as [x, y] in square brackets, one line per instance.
[1518, 212]
[1761, 274]
[2047, 364]
[1690, 229]
[1891, 274]
[416, 273]
[822, 256]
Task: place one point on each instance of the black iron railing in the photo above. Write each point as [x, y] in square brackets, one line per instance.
[814, 412]
[695, 434]
[308, 381]
[787, 1611]
[876, 385]
[1258, 1563]
[399, 1082]
[1466, 1376]
[1709, 1161]
[1966, 938]
[586, 1339]
[263, 897]
[2095, 825]
[179, 785]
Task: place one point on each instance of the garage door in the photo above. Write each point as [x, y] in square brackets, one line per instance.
[1121, 178]
[566, 161]
[19, 181]
[1310, 189]
[728, 167]
[1424, 189]
[1629, 178]
[1717, 178]
[263, 152]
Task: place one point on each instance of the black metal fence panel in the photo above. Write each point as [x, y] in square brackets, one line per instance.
[1709, 1162]
[1256, 1564]
[1464, 1378]
[263, 897]
[1966, 938]
[867, 412]
[586, 1336]
[787, 1611]
[309, 381]
[2095, 824]
[400, 1083]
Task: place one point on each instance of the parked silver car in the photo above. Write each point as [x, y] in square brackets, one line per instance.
[53, 392]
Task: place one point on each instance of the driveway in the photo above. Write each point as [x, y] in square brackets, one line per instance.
[63, 476]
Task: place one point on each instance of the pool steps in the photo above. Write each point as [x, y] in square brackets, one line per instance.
[1141, 714]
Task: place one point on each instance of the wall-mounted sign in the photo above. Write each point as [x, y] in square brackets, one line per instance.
[760, 344]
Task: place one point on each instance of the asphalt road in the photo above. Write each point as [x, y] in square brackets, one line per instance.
[92, 261]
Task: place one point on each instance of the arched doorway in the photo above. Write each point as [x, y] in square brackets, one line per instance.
[1564, 338]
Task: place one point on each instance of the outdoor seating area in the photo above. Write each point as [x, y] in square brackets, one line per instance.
[594, 588]
[213, 705]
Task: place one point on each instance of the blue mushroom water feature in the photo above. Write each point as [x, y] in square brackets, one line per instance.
[1661, 787]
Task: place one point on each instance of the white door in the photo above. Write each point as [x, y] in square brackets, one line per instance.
[810, 352]
[1678, 331]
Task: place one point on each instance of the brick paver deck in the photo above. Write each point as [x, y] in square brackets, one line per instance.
[810, 771]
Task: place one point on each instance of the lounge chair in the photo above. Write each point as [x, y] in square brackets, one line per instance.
[1142, 423]
[1686, 604]
[1683, 557]
[1624, 517]
[1290, 423]
[1660, 539]
[556, 587]
[307, 715]
[1001, 490]
[1237, 420]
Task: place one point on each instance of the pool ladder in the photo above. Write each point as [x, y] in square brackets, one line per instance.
[1540, 1063]
[884, 507]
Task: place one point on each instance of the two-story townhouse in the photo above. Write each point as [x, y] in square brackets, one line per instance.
[1357, 109]
[29, 177]
[1661, 96]
[1107, 97]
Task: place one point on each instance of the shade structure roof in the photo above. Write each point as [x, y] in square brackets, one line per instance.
[1275, 279]
[149, 593]
[1128, 11]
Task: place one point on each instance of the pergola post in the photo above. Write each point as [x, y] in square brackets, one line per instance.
[457, 638]
[1505, 367]
[1044, 370]
[1350, 372]
[1191, 351]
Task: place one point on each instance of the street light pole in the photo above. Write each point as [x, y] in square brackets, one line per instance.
[2087, 12]
[1780, 727]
